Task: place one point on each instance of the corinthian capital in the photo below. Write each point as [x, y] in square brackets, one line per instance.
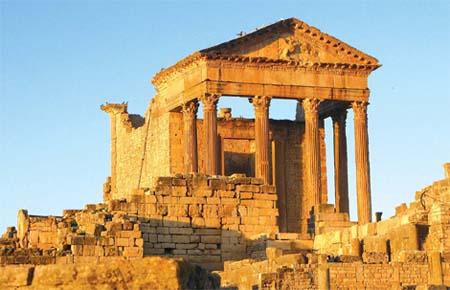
[360, 108]
[310, 106]
[340, 115]
[190, 108]
[209, 101]
[260, 102]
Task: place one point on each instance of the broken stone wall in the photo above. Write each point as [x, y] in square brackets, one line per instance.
[424, 225]
[297, 271]
[140, 147]
[146, 148]
[204, 220]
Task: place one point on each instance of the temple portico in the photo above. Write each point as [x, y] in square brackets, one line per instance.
[288, 60]
[313, 113]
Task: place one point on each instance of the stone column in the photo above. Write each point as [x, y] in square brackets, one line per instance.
[209, 102]
[190, 136]
[362, 162]
[340, 161]
[261, 105]
[312, 142]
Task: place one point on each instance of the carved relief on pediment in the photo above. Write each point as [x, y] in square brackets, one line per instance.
[291, 48]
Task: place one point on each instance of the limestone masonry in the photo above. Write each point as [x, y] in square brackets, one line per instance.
[238, 203]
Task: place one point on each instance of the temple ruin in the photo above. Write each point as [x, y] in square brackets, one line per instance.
[246, 198]
[285, 60]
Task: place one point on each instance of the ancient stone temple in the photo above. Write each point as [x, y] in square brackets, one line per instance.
[286, 60]
[194, 190]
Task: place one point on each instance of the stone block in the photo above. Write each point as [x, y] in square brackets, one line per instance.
[151, 251]
[273, 253]
[178, 210]
[268, 189]
[212, 222]
[264, 203]
[89, 250]
[122, 242]
[181, 182]
[195, 238]
[302, 245]
[226, 193]
[180, 239]
[228, 210]
[186, 246]
[192, 200]
[195, 210]
[200, 181]
[163, 180]
[78, 240]
[12, 277]
[213, 200]
[149, 199]
[164, 238]
[251, 188]
[257, 181]
[208, 232]
[170, 200]
[150, 209]
[230, 220]
[291, 260]
[282, 245]
[162, 230]
[181, 231]
[210, 211]
[202, 192]
[412, 257]
[217, 184]
[179, 191]
[168, 245]
[133, 252]
[127, 226]
[198, 222]
[179, 252]
[401, 209]
[250, 220]
[152, 238]
[229, 201]
[375, 258]
[287, 236]
[245, 195]
[447, 170]
[139, 242]
[99, 251]
[375, 244]
[265, 196]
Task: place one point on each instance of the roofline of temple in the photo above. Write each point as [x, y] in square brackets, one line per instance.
[209, 53]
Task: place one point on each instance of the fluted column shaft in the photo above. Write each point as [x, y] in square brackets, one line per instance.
[190, 136]
[209, 102]
[362, 163]
[340, 161]
[261, 105]
[312, 142]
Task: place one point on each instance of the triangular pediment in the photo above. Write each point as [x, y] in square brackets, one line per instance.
[292, 40]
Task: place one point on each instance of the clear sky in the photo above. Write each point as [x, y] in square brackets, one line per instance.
[60, 60]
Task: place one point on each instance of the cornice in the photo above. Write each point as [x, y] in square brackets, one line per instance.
[218, 52]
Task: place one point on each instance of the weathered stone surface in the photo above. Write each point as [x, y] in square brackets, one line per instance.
[16, 276]
[113, 273]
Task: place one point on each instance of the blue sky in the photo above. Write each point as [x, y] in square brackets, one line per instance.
[60, 60]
